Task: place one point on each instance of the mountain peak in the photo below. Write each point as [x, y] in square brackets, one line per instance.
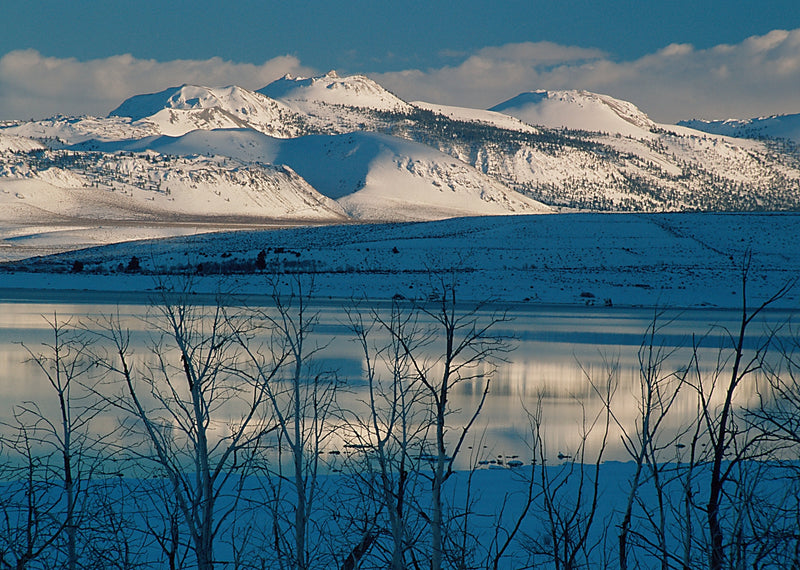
[183, 97]
[304, 93]
[577, 109]
[178, 110]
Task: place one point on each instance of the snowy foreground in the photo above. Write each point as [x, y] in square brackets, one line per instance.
[564, 511]
[680, 260]
[499, 517]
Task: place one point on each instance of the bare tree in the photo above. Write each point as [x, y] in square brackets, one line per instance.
[731, 443]
[194, 408]
[390, 431]
[301, 400]
[777, 418]
[52, 458]
[778, 413]
[462, 346]
[658, 391]
[115, 537]
[570, 493]
[31, 523]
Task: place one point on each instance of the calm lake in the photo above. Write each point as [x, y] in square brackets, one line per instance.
[556, 351]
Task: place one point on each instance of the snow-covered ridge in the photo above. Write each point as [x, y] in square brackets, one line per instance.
[150, 186]
[774, 127]
[186, 97]
[178, 110]
[373, 156]
[493, 118]
[16, 143]
[372, 176]
[301, 93]
[578, 110]
[62, 130]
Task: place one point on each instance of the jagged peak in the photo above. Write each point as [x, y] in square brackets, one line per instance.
[188, 97]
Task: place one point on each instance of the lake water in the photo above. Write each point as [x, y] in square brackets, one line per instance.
[556, 351]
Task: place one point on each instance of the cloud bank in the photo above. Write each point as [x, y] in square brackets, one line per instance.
[35, 86]
[756, 77]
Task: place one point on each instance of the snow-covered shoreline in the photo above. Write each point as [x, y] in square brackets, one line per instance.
[667, 260]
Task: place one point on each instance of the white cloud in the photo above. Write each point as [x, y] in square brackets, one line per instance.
[486, 77]
[759, 76]
[32, 85]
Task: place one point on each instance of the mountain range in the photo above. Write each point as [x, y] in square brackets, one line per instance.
[336, 149]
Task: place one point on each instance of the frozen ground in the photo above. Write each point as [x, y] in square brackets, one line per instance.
[683, 260]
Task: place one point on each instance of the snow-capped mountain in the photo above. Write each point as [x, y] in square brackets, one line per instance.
[345, 147]
[331, 104]
[372, 176]
[664, 169]
[178, 110]
[578, 110]
[308, 94]
[773, 127]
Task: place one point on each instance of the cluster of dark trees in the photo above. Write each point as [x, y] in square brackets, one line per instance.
[216, 457]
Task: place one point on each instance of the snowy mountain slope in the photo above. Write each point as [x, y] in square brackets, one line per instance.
[61, 131]
[665, 169]
[174, 111]
[16, 143]
[406, 180]
[492, 118]
[244, 145]
[611, 158]
[578, 110]
[372, 176]
[773, 127]
[125, 186]
[331, 104]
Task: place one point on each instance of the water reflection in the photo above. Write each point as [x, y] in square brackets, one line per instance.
[559, 354]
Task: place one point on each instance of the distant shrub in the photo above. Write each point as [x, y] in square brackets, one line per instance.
[133, 265]
[77, 266]
[261, 260]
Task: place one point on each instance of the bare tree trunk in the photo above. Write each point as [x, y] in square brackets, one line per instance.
[64, 364]
[177, 420]
[301, 411]
[726, 440]
[469, 342]
[723, 436]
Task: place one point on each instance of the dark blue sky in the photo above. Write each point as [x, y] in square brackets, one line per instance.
[373, 35]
